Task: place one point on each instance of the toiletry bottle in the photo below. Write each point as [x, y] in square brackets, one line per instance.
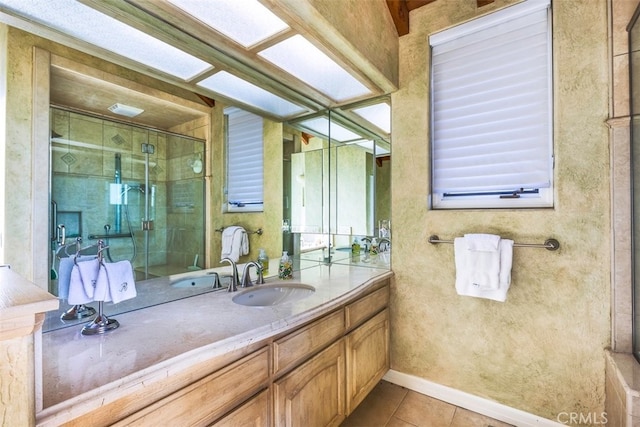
[263, 260]
[374, 246]
[355, 247]
[285, 270]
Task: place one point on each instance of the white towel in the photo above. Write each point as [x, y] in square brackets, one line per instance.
[469, 271]
[84, 276]
[235, 242]
[483, 260]
[101, 291]
[64, 273]
[122, 285]
[482, 242]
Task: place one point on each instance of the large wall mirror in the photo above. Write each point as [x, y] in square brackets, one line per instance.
[337, 184]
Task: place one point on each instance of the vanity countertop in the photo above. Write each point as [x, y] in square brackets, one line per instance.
[78, 369]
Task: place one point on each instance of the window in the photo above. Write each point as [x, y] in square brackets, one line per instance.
[245, 162]
[491, 106]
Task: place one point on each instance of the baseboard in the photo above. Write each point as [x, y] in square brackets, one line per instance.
[468, 401]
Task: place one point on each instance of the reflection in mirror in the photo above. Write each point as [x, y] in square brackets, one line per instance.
[340, 183]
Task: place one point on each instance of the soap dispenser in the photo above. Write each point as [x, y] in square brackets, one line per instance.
[355, 247]
[263, 260]
[285, 270]
[374, 246]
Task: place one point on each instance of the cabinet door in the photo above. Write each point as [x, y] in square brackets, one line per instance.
[312, 395]
[255, 413]
[367, 358]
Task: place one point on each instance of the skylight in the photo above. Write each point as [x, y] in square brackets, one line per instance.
[297, 56]
[320, 126]
[233, 87]
[376, 114]
[245, 21]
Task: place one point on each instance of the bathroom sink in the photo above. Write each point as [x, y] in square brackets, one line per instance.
[273, 294]
[194, 282]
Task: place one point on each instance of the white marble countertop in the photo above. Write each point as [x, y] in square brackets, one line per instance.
[77, 369]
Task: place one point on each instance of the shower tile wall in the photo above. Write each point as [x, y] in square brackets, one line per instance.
[83, 164]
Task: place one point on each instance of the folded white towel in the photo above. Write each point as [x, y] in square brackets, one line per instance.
[235, 242]
[482, 242]
[84, 276]
[64, 273]
[467, 279]
[122, 285]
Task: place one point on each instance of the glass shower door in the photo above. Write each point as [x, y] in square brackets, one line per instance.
[139, 190]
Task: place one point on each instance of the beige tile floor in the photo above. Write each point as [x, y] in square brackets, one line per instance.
[390, 405]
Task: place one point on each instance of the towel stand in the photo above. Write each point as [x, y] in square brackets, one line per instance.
[258, 231]
[549, 244]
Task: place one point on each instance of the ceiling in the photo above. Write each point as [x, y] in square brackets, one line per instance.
[90, 94]
[210, 50]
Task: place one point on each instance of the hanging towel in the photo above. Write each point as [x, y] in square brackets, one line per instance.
[483, 260]
[84, 276]
[119, 276]
[483, 274]
[102, 291]
[64, 273]
[235, 242]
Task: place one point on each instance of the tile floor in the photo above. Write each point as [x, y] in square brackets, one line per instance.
[390, 405]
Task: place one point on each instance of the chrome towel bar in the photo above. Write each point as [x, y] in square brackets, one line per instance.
[549, 244]
[258, 231]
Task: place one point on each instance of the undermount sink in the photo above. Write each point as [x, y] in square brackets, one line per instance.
[194, 282]
[273, 294]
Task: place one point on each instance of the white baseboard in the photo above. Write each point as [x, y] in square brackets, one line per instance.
[468, 401]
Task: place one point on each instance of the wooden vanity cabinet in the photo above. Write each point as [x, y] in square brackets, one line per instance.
[312, 376]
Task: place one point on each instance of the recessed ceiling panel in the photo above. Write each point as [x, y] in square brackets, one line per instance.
[377, 114]
[321, 126]
[235, 88]
[245, 21]
[84, 23]
[300, 58]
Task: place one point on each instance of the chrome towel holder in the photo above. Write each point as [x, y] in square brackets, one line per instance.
[258, 231]
[549, 244]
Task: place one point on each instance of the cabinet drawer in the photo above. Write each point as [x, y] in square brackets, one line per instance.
[254, 412]
[306, 341]
[209, 398]
[366, 307]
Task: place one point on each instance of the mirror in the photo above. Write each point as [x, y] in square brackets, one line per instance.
[339, 185]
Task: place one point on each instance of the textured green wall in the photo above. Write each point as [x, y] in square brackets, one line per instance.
[542, 350]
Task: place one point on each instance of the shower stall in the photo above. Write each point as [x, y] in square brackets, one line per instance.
[138, 189]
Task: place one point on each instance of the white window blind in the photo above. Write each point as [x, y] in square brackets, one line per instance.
[492, 105]
[245, 162]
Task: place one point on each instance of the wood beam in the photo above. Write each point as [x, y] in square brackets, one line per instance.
[400, 9]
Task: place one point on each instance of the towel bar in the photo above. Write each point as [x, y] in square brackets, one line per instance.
[549, 244]
[258, 231]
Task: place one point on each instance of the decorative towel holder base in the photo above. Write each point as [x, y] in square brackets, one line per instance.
[100, 324]
[549, 244]
[78, 312]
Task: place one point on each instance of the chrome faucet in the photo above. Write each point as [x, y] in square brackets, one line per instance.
[216, 280]
[246, 278]
[384, 244]
[233, 285]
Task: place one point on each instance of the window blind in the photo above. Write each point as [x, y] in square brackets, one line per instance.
[491, 102]
[244, 159]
